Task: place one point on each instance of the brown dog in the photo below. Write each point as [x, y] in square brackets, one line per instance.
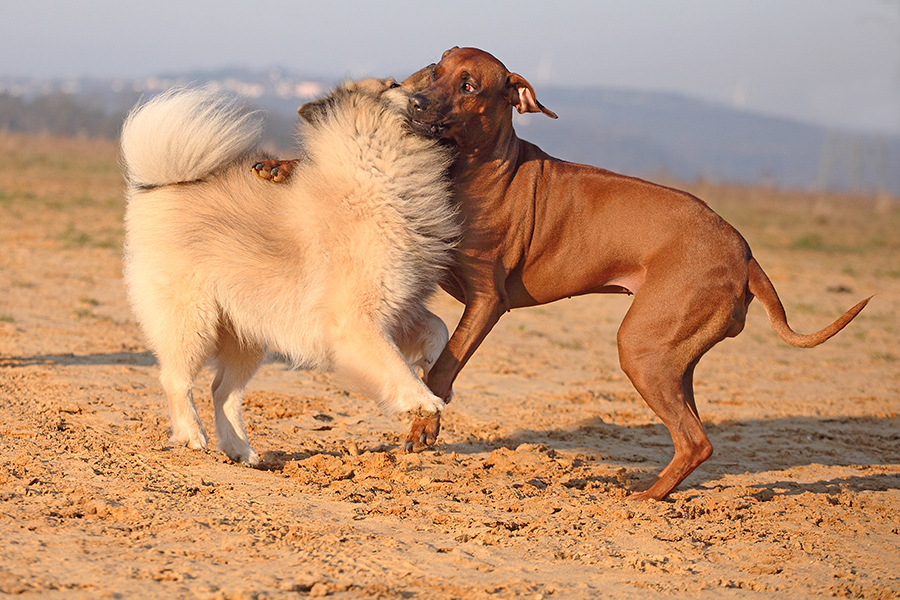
[538, 229]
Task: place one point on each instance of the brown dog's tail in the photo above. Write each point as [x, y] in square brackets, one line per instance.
[761, 287]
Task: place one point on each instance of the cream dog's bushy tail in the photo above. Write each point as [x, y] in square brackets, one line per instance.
[185, 134]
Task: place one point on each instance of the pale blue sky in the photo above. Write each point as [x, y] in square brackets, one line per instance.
[833, 62]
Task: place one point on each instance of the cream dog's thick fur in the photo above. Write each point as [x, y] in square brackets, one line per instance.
[332, 269]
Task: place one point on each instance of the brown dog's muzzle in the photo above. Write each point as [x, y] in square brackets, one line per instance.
[423, 118]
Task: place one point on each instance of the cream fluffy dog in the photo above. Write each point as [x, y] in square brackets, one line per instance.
[332, 269]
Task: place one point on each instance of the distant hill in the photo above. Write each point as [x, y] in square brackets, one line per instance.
[638, 133]
[654, 133]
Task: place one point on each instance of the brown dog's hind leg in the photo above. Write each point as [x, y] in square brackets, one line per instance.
[659, 350]
[276, 171]
[671, 397]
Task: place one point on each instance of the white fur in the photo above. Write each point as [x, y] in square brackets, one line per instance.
[331, 269]
[185, 134]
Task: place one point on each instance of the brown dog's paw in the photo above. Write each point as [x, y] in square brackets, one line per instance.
[651, 489]
[423, 432]
[276, 171]
[639, 495]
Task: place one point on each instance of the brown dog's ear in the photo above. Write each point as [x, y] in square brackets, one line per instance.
[522, 96]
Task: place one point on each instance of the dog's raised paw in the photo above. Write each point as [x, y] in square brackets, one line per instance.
[276, 171]
[423, 432]
[260, 171]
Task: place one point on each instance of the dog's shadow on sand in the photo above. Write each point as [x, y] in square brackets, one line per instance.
[741, 447]
[137, 359]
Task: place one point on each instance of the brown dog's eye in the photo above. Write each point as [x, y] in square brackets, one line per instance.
[394, 84]
[469, 88]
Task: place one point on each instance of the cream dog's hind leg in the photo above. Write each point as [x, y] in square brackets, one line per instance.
[178, 367]
[236, 362]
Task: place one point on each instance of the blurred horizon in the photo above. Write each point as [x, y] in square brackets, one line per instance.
[652, 135]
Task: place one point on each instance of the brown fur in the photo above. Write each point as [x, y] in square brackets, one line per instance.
[539, 229]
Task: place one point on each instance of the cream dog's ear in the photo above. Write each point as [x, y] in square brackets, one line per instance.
[419, 80]
[522, 96]
[313, 111]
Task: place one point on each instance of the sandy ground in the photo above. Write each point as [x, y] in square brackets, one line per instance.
[524, 496]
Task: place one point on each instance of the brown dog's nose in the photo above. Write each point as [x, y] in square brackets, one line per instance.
[418, 103]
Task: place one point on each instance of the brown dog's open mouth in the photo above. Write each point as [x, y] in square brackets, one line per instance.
[428, 129]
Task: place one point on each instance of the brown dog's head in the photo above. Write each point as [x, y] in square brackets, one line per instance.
[468, 97]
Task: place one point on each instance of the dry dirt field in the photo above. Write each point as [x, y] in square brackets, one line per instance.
[524, 497]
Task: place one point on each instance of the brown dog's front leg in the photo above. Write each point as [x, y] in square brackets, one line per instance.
[276, 171]
[478, 319]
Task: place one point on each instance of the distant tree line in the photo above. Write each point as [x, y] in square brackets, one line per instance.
[683, 138]
[57, 114]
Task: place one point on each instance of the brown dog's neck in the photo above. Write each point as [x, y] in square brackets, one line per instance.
[500, 156]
